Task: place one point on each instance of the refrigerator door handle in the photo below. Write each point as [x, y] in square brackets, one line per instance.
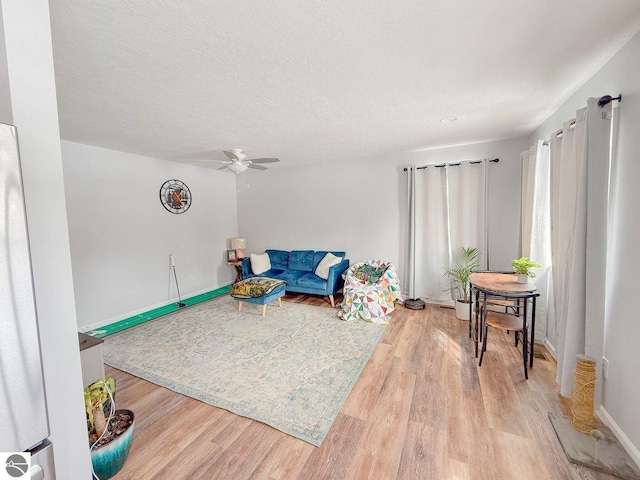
[36, 472]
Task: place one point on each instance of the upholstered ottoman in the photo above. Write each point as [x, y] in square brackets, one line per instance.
[259, 290]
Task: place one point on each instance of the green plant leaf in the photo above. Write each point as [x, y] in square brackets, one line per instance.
[523, 266]
[465, 263]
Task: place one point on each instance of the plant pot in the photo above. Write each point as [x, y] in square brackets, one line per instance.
[462, 310]
[108, 459]
[522, 278]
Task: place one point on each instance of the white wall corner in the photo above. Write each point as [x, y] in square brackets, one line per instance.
[626, 443]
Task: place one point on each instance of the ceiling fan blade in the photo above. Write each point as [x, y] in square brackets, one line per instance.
[224, 167]
[256, 167]
[226, 162]
[231, 155]
[264, 160]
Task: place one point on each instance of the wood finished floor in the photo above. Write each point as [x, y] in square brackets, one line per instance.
[421, 409]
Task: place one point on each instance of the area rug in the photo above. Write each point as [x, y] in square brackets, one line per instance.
[292, 369]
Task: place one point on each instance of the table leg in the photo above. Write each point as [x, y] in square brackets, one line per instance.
[238, 273]
[533, 328]
[484, 314]
[470, 302]
[473, 330]
[470, 307]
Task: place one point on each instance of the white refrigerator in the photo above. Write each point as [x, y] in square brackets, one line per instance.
[23, 411]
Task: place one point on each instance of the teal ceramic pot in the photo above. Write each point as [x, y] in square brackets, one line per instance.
[109, 459]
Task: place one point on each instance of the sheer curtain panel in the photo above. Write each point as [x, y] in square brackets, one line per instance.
[536, 233]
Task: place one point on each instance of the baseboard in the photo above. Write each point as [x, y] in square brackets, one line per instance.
[631, 449]
[550, 348]
[131, 319]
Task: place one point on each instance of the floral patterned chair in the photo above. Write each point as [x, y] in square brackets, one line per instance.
[371, 289]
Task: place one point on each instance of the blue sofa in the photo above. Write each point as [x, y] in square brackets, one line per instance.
[298, 267]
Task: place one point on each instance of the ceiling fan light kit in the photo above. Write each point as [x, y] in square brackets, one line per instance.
[237, 167]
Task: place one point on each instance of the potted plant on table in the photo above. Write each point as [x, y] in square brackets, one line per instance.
[466, 261]
[110, 430]
[522, 268]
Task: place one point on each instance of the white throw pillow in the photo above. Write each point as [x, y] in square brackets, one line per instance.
[260, 263]
[329, 260]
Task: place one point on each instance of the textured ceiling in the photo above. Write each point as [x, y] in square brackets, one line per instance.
[321, 80]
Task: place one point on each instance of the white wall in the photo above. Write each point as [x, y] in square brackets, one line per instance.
[29, 65]
[360, 206]
[121, 235]
[622, 329]
[6, 116]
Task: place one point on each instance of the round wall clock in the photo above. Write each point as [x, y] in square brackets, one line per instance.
[175, 196]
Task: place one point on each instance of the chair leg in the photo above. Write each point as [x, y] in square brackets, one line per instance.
[484, 343]
[525, 351]
[333, 303]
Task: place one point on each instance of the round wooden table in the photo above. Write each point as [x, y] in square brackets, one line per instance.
[501, 285]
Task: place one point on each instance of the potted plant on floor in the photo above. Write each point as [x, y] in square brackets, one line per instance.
[110, 430]
[465, 262]
[522, 268]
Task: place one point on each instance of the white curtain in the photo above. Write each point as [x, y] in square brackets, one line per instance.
[450, 213]
[528, 183]
[579, 159]
[536, 231]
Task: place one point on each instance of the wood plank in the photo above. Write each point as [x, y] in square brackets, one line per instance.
[395, 327]
[234, 462]
[434, 348]
[190, 414]
[364, 396]
[332, 459]
[499, 393]
[387, 428]
[424, 453]
[286, 459]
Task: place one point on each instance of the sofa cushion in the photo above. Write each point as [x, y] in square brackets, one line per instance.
[311, 280]
[329, 260]
[273, 273]
[279, 259]
[301, 260]
[260, 263]
[291, 276]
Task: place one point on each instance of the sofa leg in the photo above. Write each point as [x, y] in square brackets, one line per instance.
[264, 309]
[239, 306]
[280, 301]
[333, 303]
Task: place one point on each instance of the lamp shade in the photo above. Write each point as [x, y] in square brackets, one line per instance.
[238, 243]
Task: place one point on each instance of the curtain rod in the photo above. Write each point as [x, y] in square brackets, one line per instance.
[604, 100]
[608, 98]
[457, 164]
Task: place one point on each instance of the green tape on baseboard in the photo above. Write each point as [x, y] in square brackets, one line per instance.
[155, 313]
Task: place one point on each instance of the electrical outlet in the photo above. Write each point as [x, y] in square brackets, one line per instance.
[605, 367]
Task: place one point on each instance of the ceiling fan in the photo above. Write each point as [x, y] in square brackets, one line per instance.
[238, 161]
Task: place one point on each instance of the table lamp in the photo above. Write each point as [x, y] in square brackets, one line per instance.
[237, 244]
